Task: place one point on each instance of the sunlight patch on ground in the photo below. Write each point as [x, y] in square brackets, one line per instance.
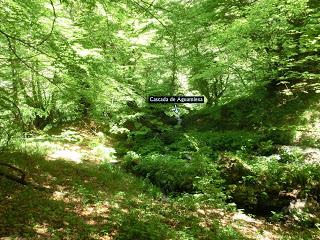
[94, 212]
[247, 225]
[239, 216]
[68, 155]
[59, 195]
[74, 146]
[250, 226]
[42, 229]
[77, 154]
[312, 155]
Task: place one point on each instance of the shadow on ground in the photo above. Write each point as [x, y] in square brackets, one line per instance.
[89, 201]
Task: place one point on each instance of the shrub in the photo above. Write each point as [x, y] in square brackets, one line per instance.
[174, 175]
[236, 140]
[135, 226]
[266, 148]
[288, 155]
[257, 187]
[130, 160]
[280, 136]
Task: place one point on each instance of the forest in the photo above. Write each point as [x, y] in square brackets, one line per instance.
[94, 144]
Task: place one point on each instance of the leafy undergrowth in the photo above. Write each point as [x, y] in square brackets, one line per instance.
[97, 200]
[279, 183]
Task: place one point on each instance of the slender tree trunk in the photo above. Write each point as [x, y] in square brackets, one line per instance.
[14, 64]
[174, 65]
[209, 101]
[14, 74]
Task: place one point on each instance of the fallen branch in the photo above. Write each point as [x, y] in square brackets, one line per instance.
[21, 179]
[13, 178]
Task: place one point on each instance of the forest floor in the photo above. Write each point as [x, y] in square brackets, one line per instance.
[85, 195]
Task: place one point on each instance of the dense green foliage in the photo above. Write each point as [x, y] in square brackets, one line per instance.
[89, 66]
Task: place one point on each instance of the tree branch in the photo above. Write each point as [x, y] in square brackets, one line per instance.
[151, 14]
[8, 36]
[30, 67]
[52, 25]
